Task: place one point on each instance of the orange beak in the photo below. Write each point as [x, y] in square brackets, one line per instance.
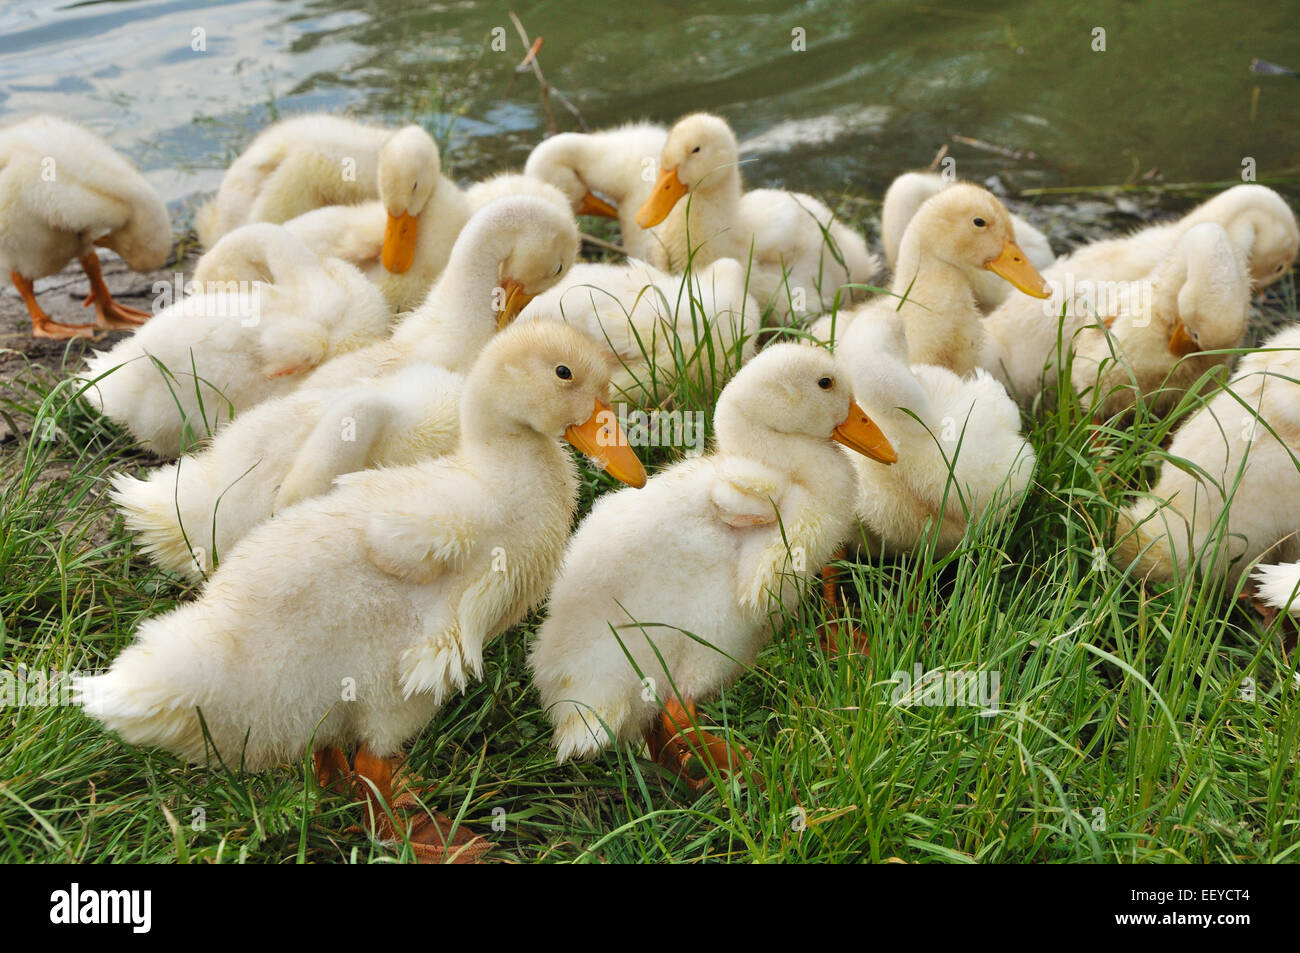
[1181, 343]
[514, 300]
[859, 432]
[1012, 265]
[593, 204]
[667, 192]
[601, 439]
[399, 242]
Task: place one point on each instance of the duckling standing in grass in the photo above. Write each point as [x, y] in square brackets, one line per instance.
[1022, 349]
[695, 568]
[616, 163]
[402, 241]
[962, 457]
[292, 167]
[225, 349]
[656, 324]
[1241, 471]
[64, 191]
[1196, 301]
[797, 255]
[389, 404]
[393, 583]
[907, 193]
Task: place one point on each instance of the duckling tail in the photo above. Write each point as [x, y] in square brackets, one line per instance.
[1279, 586]
[149, 511]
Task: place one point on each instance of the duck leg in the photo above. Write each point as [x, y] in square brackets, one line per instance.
[834, 631]
[43, 326]
[676, 743]
[108, 313]
[332, 768]
[435, 838]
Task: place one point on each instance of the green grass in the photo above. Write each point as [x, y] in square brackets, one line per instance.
[1123, 732]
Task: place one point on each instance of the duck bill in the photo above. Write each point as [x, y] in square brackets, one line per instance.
[668, 191]
[601, 439]
[1012, 265]
[513, 300]
[859, 432]
[399, 242]
[1181, 343]
[593, 204]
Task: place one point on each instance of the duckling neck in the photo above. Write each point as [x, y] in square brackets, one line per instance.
[459, 317]
[706, 220]
[942, 317]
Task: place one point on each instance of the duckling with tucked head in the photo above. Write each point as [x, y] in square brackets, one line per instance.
[411, 572]
[694, 569]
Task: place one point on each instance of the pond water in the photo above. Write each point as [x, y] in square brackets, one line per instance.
[878, 87]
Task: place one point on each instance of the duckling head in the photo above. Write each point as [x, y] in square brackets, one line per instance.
[536, 243]
[967, 227]
[698, 150]
[145, 241]
[550, 379]
[1214, 300]
[409, 172]
[787, 393]
[1261, 225]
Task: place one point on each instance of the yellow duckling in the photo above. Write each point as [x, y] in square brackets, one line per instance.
[781, 237]
[402, 241]
[1241, 472]
[733, 537]
[1155, 348]
[292, 167]
[393, 583]
[608, 173]
[1022, 347]
[63, 191]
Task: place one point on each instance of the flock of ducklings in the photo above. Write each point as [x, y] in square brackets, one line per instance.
[367, 460]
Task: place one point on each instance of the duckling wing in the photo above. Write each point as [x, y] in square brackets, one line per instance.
[744, 492]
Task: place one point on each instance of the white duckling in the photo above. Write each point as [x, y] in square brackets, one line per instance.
[63, 191]
[509, 184]
[909, 191]
[652, 322]
[1279, 587]
[955, 238]
[513, 249]
[1022, 348]
[395, 582]
[401, 242]
[226, 348]
[780, 236]
[390, 404]
[608, 173]
[732, 538]
[292, 167]
[1241, 453]
[962, 457]
[1196, 301]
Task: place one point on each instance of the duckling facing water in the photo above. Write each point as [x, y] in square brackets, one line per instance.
[396, 581]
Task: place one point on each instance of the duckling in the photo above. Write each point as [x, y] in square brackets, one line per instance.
[394, 583]
[216, 353]
[389, 404]
[730, 537]
[907, 193]
[1237, 467]
[513, 249]
[401, 242]
[1279, 587]
[780, 236]
[651, 321]
[1196, 301]
[961, 452]
[1022, 348]
[292, 167]
[509, 184]
[64, 191]
[956, 236]
[616, 163]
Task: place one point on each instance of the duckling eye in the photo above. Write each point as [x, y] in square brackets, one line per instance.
[695, 150]
[826, 383]
[978, 222]
[559, 268]
[563, 373]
